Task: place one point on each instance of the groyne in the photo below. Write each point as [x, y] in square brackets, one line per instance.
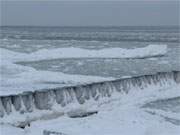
[28, 102]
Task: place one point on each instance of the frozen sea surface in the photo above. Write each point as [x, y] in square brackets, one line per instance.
[82, 54]
[18, 78]
[46, 57]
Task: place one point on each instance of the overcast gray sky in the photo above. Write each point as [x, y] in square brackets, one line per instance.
[78, 13]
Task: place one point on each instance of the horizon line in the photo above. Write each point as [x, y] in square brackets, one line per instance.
[89, 25]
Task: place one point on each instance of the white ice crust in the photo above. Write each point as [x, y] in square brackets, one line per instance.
[44, 54]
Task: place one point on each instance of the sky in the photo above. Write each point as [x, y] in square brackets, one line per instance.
[89, 13]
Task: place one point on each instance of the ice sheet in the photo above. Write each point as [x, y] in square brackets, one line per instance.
[148, 51]
[144, 52]
[17, 78]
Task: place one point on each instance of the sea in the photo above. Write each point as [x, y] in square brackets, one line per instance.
[23, 67]
[31, 39]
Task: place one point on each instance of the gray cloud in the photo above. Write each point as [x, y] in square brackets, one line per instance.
[78, 13]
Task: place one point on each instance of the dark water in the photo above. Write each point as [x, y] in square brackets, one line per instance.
[139, 34]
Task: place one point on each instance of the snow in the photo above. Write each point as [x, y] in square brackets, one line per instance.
[123, 114]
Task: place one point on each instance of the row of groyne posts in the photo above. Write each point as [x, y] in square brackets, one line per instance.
[27, 102]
